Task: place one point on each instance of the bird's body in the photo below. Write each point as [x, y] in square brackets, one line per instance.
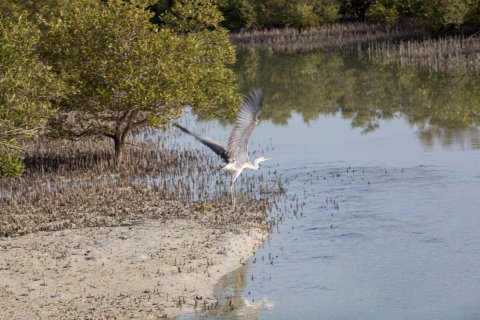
[236, 153]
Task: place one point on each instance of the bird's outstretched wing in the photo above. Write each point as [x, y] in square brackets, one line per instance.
[247, 119]
[212, 144]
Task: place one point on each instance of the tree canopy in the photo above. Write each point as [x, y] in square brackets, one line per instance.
[246, 14]
[27, 86]
[433, 15]
[124, 73]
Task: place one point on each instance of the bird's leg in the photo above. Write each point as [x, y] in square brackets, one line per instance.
[234, 195]
[232, 191]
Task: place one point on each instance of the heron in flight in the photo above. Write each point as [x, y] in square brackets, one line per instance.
[236, 154]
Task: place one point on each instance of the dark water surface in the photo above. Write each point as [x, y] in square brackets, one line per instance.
[387, 162]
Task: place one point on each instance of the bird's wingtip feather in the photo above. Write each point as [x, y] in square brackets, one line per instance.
[181, 128]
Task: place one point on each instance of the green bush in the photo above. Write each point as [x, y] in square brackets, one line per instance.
[238, 14]
[433, 15]
[473, 15]
[301, 15]
[246, 14]
[385, 11]
[327, 10]
[355, 9]
[11, 166]
[436, 15]
[27, 86]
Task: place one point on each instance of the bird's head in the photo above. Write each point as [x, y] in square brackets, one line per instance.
[257, 161]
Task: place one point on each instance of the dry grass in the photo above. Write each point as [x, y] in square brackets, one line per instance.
[452, 54]
[331, 37]
[404, 45]
[71, 185]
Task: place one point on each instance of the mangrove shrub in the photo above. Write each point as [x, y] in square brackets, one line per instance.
[27, 87]
[433, 15]
[247, 14]
[124, 73]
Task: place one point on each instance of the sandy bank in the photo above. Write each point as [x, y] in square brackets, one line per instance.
[80, 239]
[141, 270]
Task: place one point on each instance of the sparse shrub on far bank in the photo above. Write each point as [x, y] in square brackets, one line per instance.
[331, 37]
[454, 54]
[433, 15]
[238, 14]
[405, 45]
[250, 14]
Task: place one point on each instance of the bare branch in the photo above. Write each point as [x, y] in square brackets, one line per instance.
[139, 123]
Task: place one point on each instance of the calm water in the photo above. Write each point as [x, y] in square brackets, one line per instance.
[387, 162]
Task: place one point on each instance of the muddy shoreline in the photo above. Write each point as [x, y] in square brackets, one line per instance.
[161, 259]
[151, 269]
[82, 239]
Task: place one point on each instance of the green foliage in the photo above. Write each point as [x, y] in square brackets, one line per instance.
[434, 15]
[383, 12]
[159, 8]
[271, 13]
[300, 15]
[238, 14]
[244, 14]
[192, 16]
[440, 14]
[124, 73]
[10, 166]
[327, 10]
[315, 84]
[35, 9]
[473, 15]
[354, 9]
[27, 86]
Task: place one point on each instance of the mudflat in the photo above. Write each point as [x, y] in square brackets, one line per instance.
[82, 240]
[149, 269]
[131, 255]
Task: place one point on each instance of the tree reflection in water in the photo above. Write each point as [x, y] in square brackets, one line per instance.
[440, 106]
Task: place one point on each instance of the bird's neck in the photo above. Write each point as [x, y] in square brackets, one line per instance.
[255, 165]
[252, 165]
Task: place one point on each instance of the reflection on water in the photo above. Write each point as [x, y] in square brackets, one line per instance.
[450, 137]
[232, 305]
[441, 107]
[389, 228]
[390, 223]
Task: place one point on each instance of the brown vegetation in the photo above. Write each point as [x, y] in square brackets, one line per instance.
[147, 239]
[72, 185]
[405, 45]
[331, 37]
[453, 54]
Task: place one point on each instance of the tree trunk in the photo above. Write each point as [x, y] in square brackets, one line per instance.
[123, 127]
[119, 142]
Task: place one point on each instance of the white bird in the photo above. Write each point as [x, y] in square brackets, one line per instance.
[236, 153]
